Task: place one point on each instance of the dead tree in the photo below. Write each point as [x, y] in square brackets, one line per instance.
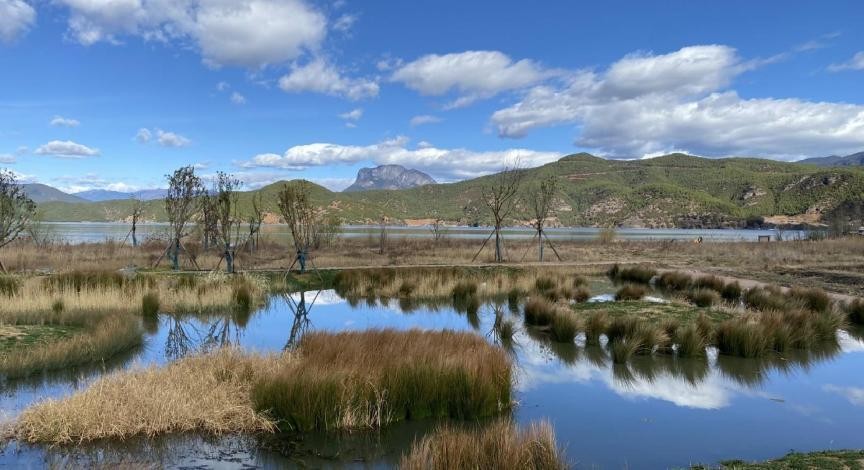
[542, 202]
[181, 202]
[256, 218]
[500, 196]
[226, 197]
[299, 213]
[16, 210]
[136, 216]
[208, 220]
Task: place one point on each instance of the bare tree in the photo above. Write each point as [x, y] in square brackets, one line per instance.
[256, 218]
[137, 215]
[299, 213]
[500, 196]
[16, 210]
[542, 202]
[208, 220]
[184, 189]
[225, 196]
[437, 227]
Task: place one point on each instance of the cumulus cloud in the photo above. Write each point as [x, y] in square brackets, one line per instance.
[445, 164]
[855, 63]
[7, 158]
[855, 395]
[319, 76]
[16, 18]
[66, 149]
[424, 119]
[472, 75]
[60, 121]
[353, 115]
[652, 103]
[91, 181]
[237, 98]
[162, 137]
[249, 33]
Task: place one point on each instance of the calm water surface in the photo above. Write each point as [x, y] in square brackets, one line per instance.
[656, 412]
[89, 232]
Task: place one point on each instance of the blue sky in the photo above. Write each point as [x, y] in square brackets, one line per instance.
[117, 93]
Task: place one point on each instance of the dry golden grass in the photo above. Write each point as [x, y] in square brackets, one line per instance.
[370, 379]
[499, 445]
[208, 393]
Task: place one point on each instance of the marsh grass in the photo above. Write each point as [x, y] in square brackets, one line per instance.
[104, 339]
[731, 291]
[709, 282]
[690, 341]
[631, 292]
[634, 274]
[855, 311]
[363, 380]
[704, 297]
[565, 326]
[539, 312]
[816, 300]
[596, 324]
[208, 393]
[8, 285]
[500, 445]
[742, 337]
[674, 281]
[150, 305]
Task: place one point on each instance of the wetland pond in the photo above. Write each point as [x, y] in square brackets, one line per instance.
[656, 411]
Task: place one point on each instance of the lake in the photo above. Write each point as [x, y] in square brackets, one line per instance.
[655, 412]
[90, 232]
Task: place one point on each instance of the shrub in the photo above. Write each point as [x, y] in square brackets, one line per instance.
[674, 281]
[631, 292]
[499, 445]
[704, 297]
[731, 291]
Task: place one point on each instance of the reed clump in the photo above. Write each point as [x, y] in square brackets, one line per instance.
[742, 337]
[690, 341]
[595, 325]
[208, 393]
[635, 274]
[565, 326]
[631, 292]
[9, 285]
[709, 282]
[703, 297]
[150, 305]
[855, 311]
[731, 291]
[674, 281]
[539, 312]
[363, 380]
[816, 300]
[500, 445]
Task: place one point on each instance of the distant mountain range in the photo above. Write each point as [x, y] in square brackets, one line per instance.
[674, 190]
[389, 177]
[42, 193]
[856, 159]
[100, 195]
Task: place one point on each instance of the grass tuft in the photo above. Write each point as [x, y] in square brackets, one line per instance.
[855, 311]
[631, 292]
[674, 281]
[703, 297]
[636, 274]
[539, 312]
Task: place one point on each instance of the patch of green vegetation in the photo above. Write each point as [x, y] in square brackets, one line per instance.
[828, 460]
[13, 338]
[652, 311]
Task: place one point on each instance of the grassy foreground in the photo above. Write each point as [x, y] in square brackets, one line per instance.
[499, 445]
[332, 381]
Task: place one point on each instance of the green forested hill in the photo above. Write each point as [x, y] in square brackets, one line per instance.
[670, 191]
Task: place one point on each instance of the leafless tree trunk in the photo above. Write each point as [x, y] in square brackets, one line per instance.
[16, 210]
[208, 220]
[255, 221]
[500, 195]
[542, 202]
[299, 213]
[226, 197]
[184, 189]
[137, 214]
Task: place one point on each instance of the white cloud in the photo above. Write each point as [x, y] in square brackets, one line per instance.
[649, 103]
[90, 181]
[854, 395]
[144, 135]
[319, 76]
[16, 18]
[223, 86]
[855, 63]
[472, 75]
[249, 33]
[445, 164]
[237, 98]
[66, 149]
[60, 121]
[344, 23]
[171, 139]
[353, 115]
[7, 158]
[424, 119]
[162, 137]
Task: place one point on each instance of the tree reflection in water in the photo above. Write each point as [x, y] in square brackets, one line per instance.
[301, 322]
